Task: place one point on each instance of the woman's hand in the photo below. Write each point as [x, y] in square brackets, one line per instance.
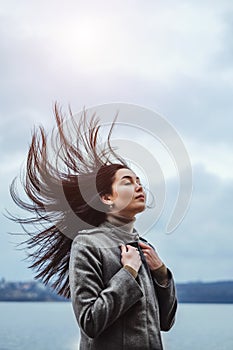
[152, 258]
[130, 256]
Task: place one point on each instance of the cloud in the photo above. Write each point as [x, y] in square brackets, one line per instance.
[201, 247]
[216, 157]
[157, 48]
[172, 57]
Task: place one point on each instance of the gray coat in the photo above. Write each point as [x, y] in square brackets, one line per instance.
[114, 310]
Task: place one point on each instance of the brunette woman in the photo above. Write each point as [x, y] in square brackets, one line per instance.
[122, 294]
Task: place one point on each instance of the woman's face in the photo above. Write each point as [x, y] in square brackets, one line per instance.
[128, 197]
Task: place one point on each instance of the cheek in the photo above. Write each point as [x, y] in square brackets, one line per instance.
[123, 193]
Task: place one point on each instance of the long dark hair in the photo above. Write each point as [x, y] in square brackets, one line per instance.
[63, 186]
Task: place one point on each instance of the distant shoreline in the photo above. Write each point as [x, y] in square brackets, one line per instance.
[69, 301]
[192, 292]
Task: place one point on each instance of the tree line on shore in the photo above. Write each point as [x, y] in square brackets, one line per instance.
[190, 292]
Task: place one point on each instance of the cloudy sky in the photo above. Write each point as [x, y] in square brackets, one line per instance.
[172, 57]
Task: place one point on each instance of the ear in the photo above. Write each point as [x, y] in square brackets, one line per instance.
[106, 199]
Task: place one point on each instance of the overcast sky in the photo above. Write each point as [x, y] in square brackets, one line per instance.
[173, 57]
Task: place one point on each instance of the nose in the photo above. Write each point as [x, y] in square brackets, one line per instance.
[138, 187]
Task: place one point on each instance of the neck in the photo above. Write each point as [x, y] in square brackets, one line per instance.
[127, 224]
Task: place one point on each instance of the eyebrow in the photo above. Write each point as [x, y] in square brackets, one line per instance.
[129, 177]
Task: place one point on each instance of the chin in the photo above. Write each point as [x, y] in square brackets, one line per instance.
[141, 209]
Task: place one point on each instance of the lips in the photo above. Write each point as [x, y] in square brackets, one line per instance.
[140, 196]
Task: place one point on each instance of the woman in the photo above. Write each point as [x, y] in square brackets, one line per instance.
[122, 293]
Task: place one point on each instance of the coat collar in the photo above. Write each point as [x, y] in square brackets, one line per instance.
[121, 232]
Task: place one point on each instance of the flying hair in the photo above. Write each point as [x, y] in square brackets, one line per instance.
[60, 169]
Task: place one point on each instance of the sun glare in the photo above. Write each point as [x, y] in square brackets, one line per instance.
[85, 42]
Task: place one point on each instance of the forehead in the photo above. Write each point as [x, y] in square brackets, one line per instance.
[121, 173]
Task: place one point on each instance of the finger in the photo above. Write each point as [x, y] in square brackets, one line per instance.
[143, 245]
[129, 247]
[123, 248]
[145, 250]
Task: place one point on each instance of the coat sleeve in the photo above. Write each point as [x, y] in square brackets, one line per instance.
[96, 305]
[167, 301]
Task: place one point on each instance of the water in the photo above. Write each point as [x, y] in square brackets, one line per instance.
[49, 326]
[38, 326]
[201, 327]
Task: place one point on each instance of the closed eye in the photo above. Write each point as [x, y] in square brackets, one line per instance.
[131, 181]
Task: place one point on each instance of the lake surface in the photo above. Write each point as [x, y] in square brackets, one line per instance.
[49, 326]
